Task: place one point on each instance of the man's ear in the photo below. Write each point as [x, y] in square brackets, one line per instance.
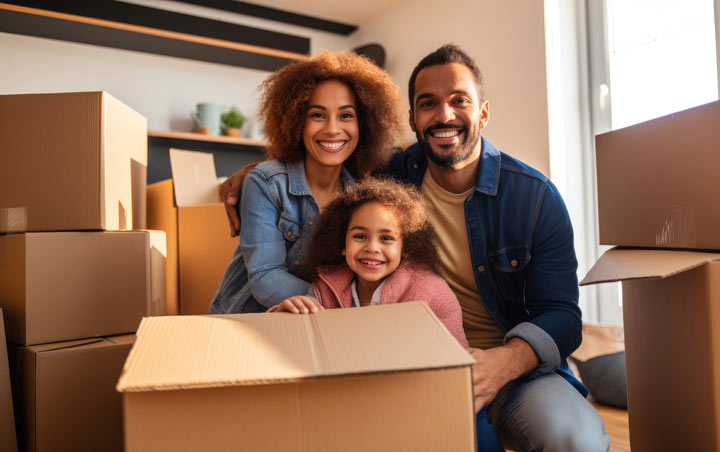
[411, 120]
[484, 114]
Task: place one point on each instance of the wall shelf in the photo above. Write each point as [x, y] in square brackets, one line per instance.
[138, 28]
[230, 154]
[205, 141]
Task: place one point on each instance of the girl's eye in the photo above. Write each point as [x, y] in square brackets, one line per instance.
[316, 114]
[388, 238]
[347, 116]
[359, 236]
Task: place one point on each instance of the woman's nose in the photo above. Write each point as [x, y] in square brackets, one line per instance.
[332, 127]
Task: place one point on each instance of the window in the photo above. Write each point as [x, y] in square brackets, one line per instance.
[661, 56]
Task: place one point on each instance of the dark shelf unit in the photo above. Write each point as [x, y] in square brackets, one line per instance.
[150, 30]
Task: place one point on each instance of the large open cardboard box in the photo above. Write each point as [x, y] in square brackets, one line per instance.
[71, 161]
[658, 181]
[379, 378]
[189, 210]
[671, 309]
[58, 286]
[64, 393]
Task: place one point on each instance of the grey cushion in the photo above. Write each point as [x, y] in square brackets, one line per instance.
[604, 376]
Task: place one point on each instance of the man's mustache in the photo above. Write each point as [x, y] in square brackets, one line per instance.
[430, 129]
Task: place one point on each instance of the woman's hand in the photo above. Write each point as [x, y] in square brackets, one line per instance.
[300, 304]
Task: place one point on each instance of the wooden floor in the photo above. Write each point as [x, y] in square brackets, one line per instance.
[616, 425]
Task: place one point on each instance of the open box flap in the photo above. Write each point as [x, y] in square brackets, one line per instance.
[194, 178]
[183, 352]
[620, 264]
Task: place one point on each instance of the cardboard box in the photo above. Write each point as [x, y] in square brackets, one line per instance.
[57, 286]
[378, 378]
[8, 438]
[671, 309]
[189, 210]
[158, 304]
[71, 161]
[658, 181]
[65, 397]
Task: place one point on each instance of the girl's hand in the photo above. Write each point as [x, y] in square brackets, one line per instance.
[300, 304]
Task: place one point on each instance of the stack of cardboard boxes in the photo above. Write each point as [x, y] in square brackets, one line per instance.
[658, 184]
[77, 270]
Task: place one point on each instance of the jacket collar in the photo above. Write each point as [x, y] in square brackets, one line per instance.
[298, 183]
[488, 170]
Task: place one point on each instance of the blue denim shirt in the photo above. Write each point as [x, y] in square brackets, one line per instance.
[521, 246]
[278, 213]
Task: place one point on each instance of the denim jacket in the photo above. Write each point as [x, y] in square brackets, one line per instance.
[521, 246]
[278, 214]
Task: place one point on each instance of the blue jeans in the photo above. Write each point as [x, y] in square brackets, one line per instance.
[487, 439]
[546, 413]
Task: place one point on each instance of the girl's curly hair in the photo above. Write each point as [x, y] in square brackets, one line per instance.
[405, 201]
[284, 107]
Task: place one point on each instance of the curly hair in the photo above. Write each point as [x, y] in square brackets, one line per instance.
[284, 107]
[404, 200]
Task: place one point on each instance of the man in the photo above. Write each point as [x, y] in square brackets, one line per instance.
[506, 247]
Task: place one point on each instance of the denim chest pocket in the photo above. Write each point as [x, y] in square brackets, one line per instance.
[508, 271]
[290, 229]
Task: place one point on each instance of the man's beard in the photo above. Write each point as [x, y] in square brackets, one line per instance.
[470, 142]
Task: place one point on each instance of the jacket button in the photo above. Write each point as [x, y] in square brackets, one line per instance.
[415, 165]
[481, 268]
[513, 263]
[297, 262]
[310, 222]
[289, 233]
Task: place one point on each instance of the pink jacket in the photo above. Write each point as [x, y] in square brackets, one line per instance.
[407, 283]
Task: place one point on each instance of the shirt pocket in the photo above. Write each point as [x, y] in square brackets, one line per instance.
[290, 229]
[508, 267]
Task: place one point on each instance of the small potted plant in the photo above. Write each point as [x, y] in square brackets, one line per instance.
[232, 122]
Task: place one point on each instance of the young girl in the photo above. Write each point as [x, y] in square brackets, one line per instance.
[373, 245]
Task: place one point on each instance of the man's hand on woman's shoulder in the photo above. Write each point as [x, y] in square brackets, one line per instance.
[230, 195]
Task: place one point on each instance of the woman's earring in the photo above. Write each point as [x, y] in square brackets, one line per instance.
[342, 252]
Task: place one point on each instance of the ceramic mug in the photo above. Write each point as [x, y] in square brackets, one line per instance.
[207, 116]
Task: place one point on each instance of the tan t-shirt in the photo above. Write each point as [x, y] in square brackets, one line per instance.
[446, 214]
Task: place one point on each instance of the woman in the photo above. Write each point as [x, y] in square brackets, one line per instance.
[329, 120]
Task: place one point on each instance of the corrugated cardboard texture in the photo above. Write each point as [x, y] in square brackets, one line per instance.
[420, 411]
[76, 285]
[672, 340]
[658, 181]
[205, 250]
[162, 215]
[74, 172]
[383, 378]
[214, 351]
[8, 438]
[626, 264]
[65, 392]
[194, 177]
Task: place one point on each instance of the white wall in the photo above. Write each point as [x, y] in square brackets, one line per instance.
[507, 40]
